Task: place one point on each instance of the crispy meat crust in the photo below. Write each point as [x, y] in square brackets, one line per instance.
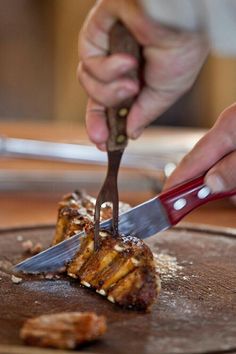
[76, 212]
[122, 269]
[63, 330]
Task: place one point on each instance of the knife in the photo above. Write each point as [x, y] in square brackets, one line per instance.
[144, 220]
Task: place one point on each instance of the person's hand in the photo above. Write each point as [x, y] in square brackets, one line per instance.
[215, 153]
[172, 62]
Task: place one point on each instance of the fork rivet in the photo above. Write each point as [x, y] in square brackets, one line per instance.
[123, 112]
[120, 139]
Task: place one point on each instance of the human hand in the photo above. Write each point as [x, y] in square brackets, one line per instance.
[215, 153]
[172, 62]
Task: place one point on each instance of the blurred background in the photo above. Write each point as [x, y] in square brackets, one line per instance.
[38, 60]
[41, 99]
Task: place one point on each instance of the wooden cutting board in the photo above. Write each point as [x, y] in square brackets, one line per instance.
[195, 313]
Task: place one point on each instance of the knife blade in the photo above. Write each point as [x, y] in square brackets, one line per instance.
[144, 220]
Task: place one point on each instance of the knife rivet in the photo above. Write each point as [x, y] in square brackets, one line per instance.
[123, 112]
[180, 204]
[203, 192]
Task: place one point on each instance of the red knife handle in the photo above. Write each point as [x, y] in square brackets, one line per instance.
[182, 199]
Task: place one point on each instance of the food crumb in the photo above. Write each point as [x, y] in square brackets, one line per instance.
[30, 248]
[27, 245]
[16, 280]
[19, 238]
[37, 248]
[49, 276]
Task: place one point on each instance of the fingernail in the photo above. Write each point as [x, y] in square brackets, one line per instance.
[122, 93]
[215, 183]
[102, 147]
[137, 133]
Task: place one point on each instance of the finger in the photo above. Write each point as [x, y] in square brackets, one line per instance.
[149, 105]
[106, 69]
[96, 123]
[102, 147]
[94, 38]
[167, 78]
[222, 176]
[109, 94]
[218, 142]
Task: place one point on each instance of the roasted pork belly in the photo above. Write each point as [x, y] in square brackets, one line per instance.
[123, 267]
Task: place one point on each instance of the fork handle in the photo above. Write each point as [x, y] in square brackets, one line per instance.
[122, 41]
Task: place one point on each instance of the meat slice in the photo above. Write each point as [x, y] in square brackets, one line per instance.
[122, 269]
[65, 330]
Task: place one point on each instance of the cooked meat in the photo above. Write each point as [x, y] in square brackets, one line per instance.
[76, 212]
[123, 267]
[63, 330]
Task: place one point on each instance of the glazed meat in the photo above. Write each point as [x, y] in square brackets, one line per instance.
[122, 269]
[76, 212]
[63, 330]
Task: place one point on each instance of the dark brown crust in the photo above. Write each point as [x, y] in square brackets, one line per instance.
[122, 269]
[63, 330]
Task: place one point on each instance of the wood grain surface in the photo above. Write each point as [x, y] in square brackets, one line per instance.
[196, 311]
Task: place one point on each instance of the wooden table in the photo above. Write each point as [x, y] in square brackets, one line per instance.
[203, 325]
[30, 207]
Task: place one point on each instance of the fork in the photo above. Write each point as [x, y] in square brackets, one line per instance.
[121, 41]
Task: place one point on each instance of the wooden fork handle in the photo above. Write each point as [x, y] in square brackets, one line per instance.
[122, 41]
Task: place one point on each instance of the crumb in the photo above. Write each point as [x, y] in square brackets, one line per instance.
[19, 238]
[27, 246]
[49, 276]
[16, 280]
[30, 248]
[37, 248]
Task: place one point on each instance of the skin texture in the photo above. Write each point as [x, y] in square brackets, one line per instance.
[173, 60]
[218, 149]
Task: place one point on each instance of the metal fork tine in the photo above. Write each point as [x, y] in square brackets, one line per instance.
[108, 193]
